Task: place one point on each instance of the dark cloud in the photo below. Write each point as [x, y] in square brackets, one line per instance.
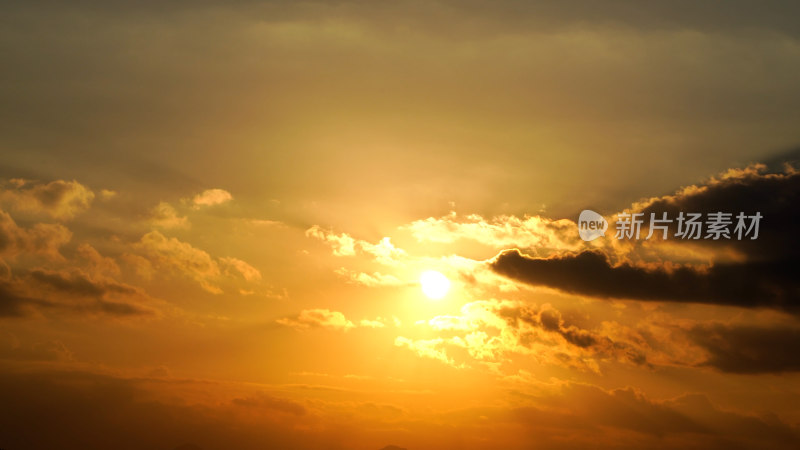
[522, 318]
[77, 283]
[767, 284]
[80, 410]
[577, 416]
[749, 349]
[71, 291]
[550, 320]
[629, 409]
[774, 195]
[12, 349]
[13, 304]
[765, 278]
[272, 403]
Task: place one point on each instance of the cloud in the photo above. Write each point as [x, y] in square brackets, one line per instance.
[165, 216]
[427, 348]
[763, 284]
[84, 284]
[181, 258]
[140, 265]
[265, 401]
[748, 349]
[318, 318]
[537, 233]
[370, 280]
[762, 275]
[96, 262]
[73, 291]
[58, 199]
[156, 252]
[378, 323]
[41, 239]
[12, 348]
[15, 304]
[45, 409]
[109, 296]
[50, 410]
[493, 331]
[747, 190]
[573, 416]
[327, 319]
[549, 319]
[107, 194]
[264, 223]
[249, 272]
[5, 271]
[343, 244]
[211, 197]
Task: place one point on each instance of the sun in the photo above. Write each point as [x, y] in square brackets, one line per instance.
[434, 284]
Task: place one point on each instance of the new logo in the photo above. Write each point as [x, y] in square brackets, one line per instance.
[591, 225]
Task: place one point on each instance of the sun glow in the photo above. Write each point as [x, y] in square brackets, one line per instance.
[434, 284]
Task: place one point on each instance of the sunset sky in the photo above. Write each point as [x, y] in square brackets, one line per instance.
[353, 225]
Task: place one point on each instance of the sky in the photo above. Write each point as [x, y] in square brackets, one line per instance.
[226, 226]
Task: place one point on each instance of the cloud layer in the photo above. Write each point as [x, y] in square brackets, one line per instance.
[761, 276]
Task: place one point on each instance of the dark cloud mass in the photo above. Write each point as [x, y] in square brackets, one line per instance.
[749, 349]
[549, 320]
[525, 318]
[775, 195]
[71, 291]
[40, 412]
[78, 410]
[766, 277]
[14, 305]
[771, 284]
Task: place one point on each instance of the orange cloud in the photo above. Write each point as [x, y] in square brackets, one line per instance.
[327, 319]
[530, 232]
[211, 197]
[58, 199]
[384, 252]
[165, 216]
[41, 239]
[318, 318]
